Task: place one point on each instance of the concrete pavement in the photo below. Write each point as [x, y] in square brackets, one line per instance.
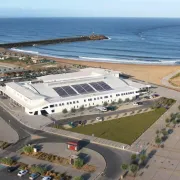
[7, 134]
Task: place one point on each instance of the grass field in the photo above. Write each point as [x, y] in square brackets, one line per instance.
[125, 130]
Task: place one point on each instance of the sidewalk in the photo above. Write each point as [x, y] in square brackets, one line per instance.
[147, 138]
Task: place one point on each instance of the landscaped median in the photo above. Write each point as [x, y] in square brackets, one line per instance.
[125, 130]
[29, 151]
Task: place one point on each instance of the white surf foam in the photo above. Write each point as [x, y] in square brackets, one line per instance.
[24, 51]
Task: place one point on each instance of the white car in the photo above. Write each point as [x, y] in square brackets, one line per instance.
[22, 173]
[137, 103]
[99, 119]
[46, 178]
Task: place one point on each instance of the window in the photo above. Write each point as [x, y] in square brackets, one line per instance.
[105, 97]
[67, 103]
[100, 97]
[117, 94]
[59, 104]
[51, 106]
[94, 98]
[52, 111]
[45, 107]
[62, 104]
[77, 101]
[111, 96]
[36, 113]
[55, 105]
[89, 99]
[74, 102]
[70, 102]
[84, 100]
[30, 112]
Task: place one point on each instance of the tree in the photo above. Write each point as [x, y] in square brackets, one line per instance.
[157, 132]
[133, 157]
[158, 140]
[79, 178]
[142, 158]
[124, 167]
[120, 101]
[127, 100]
[167, 120]
[73, 110]
[134, 168]
[28, 149]
[105, 103]
[82, 108]
[78, 163]
[64, 111]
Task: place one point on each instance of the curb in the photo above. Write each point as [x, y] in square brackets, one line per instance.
[65, 135]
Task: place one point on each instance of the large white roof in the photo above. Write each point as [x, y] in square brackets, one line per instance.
[44, 91]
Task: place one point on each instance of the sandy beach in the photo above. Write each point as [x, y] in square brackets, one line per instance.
[148, 73]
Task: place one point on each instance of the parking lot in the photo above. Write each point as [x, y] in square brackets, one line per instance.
[4, 175]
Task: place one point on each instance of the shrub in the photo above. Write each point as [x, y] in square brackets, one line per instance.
[64, 111]
[82, 108]
[133, 168]
[133, 157]
[124, 167]
[105, 103]
[120, 101]
[7, 161]
[38, 169]
[73, 110]
[78, 163]
[28, 149]
[78, 178]
[127, 100]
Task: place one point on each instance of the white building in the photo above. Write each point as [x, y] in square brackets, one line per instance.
[54, 93]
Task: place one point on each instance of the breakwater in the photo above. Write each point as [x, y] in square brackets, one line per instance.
[53, 41]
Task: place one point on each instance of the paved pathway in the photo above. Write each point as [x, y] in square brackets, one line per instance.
[165, 80]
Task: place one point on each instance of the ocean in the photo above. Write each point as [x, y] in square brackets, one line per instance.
[131, 40]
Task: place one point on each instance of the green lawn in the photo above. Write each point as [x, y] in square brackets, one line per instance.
[125, 130]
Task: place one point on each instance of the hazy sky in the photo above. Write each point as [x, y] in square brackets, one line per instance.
[90, 8]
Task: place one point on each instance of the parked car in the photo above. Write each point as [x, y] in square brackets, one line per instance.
[101, 108]
[137, 103]
[11, 168]
[72, 124]
[99, 119]
[155, 95]
[22, 173]
[111, 108]
[47, 178]
[34, 176]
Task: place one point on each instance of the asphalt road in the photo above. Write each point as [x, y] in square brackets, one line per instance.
[114, 158]
[146, 104]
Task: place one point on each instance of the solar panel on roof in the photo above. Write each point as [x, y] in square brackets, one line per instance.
[104, 85]
[79, 89]
[69, 90]
[87, 87]
[97, 86]
[61, 92]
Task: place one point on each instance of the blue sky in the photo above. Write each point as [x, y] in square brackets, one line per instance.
[89, 8]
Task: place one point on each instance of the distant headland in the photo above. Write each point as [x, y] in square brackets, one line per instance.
[92, 37]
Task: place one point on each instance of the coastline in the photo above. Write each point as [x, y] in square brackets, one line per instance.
[146, 72]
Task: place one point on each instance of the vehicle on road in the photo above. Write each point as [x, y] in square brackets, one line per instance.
[100, 119]
[111, 108]
[11, 169]
[47, 178]
[22, 173]
[34, 176]
[155, 95]
[101, 108]
[137, 103]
